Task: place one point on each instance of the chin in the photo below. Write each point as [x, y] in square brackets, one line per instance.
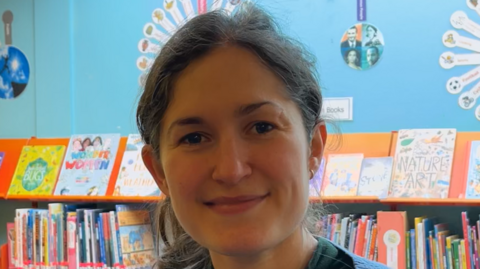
[242, 242]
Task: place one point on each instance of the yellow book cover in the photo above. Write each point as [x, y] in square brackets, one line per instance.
[417, 248]
[37, 170]
[464, 257]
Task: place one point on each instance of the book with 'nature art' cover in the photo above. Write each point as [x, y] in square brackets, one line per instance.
[423, 163]
[134, 179]
[473, 171]
[37, 170]
[88, 164]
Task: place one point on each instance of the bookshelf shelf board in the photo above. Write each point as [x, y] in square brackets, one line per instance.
[345, 199]
[432, 202]
[79, 199]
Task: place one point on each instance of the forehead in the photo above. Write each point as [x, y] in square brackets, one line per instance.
[224, 78]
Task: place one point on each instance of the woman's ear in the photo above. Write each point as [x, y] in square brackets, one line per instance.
[317, 145]
[155, 168]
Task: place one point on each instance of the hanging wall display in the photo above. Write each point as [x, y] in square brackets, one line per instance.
[164, 23]
[457, 85]
[14, 67]
[362, 46]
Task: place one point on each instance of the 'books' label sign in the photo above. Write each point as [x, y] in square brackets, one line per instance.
[338, 108]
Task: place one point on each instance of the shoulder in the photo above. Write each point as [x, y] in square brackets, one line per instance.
[360, 262]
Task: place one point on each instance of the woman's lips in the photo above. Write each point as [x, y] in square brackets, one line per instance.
[234, 205]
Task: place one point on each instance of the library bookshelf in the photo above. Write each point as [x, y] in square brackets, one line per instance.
[370, 144]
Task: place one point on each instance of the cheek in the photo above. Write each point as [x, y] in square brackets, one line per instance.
[184, 174]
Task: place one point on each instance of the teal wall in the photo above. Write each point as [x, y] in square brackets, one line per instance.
[84, 79]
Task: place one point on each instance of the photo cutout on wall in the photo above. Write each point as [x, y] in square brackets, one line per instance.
[362, 46]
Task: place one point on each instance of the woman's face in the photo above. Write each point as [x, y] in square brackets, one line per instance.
[97, 142]
[234, 155]
[352, 57]
[370, 32]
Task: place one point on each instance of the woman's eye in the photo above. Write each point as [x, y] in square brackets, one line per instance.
[193, 138]
[263, 127]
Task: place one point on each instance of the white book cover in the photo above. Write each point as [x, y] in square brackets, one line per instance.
[134, 179]
[375, 177]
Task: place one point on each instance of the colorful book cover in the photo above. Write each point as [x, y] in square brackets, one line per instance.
[136, 236]
[473, 173]
[37, 170]
[341, 174]
[315, 184]
[134, 179]
[423, 163]
[2, 156]
[375, 177]
[391, 239]
[88, 165]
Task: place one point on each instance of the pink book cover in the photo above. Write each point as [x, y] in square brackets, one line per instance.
[72, 242]
[391, 238]
[11, 244]
[342, 173]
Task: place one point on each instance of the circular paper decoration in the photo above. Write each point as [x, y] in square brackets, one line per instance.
[361, 46]
[459, 37]
[165, 21]
[14, 67]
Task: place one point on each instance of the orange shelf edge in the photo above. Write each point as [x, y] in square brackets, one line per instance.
[73, 198]
[345, 199]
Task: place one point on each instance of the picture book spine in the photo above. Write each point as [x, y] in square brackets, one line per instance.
[373, 242]
[420, 245]
[362, 223]
[30, 230]
[72, 244]
[101, 237]
[17, 240]
[113, 235]
[24, 239]
[464, 254]
[368, 233]
[474, 244]
[441, 253]
[466, 237]
[432, 252]
[407, 249]
[59, 239]
[448, 247]
[119, 247]
[106, 231]
[45, 238]
[413, 250]
[87, 232]
[455, 259]
[11, 244]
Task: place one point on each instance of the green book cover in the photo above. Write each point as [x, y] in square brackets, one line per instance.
[456, 255]
[407, 243]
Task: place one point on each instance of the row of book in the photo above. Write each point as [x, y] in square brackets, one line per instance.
[420, 168]
[386, 237]
[83, 169]
[433, 245]
[81, 236]
[356, 232]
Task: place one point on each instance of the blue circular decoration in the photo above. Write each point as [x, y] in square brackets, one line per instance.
[14, 72]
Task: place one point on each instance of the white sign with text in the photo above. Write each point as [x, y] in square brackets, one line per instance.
[338, 108]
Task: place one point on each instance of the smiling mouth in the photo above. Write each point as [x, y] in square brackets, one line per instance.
[235, 205]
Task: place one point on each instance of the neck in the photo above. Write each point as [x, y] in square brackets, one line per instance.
[294, 252]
